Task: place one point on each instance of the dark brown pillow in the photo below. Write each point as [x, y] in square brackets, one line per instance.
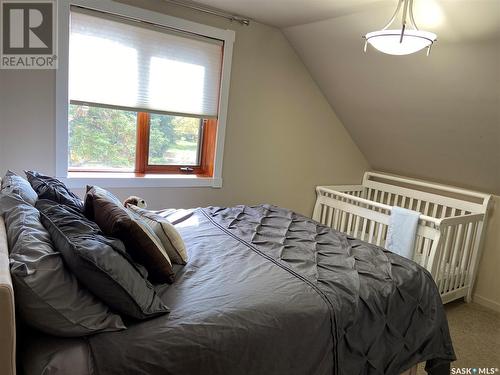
[140, 241]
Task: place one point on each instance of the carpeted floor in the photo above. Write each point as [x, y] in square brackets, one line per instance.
[475, 331]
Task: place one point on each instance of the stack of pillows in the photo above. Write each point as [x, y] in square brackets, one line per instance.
[80, 268]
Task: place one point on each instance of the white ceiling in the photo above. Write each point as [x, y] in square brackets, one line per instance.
[283, 13]
[435, 117]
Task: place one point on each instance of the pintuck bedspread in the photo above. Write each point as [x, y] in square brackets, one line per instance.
[269, 292]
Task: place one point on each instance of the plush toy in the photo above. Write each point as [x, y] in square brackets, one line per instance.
[135, 201]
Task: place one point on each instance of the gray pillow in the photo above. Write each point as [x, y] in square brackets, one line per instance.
[48, 296]
[100, 262]
[13, 183]
[51, 188]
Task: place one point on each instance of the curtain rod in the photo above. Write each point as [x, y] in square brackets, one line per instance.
[212, 11]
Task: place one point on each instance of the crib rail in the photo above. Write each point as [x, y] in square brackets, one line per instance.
[448, 236]
[346, 196]
[356, 217]
[430, 199]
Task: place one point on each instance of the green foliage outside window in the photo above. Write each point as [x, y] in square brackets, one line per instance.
[173, 140]
[101, 137]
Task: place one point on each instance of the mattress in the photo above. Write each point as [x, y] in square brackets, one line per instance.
[268, 291]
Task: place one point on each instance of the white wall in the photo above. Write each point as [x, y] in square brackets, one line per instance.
[487, 291]
[282, 137]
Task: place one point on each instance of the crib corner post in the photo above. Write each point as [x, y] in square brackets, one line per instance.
[478, 249]
[317, 206]
[436, 251]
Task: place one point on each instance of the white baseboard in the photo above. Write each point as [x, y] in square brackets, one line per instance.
[486, 302]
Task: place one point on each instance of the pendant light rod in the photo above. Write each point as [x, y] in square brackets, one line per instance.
[396, 12]
[403, 22]
[407, 11]
[412, 18]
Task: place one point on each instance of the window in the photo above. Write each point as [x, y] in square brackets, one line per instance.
[146, 94]
[111, 140]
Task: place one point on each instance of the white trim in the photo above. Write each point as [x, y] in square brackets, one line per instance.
[124, 180]
[62, 99]
[486, 302]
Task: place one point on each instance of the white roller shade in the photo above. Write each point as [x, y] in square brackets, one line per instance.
[124, 64]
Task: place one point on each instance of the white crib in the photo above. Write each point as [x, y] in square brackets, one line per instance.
[450, 230]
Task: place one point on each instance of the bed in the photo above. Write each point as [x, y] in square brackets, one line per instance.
[266, 291]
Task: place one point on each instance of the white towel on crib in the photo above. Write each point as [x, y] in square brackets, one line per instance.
[402, 231]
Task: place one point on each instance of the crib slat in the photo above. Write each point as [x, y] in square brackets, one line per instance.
[342, 221]
[475, 236]
[426, 210]
[330, 214]
[453, 259]
[438, 268]
[370, 231]
[434, 210]
[419, 203]
[418, 245]
[381, 199]
[452, 238]
[448, 259]
[447, 246]
[425, 251]
[380, 232]
[378, 193]
[327, 213]
[467, 245]
[356, 226]
[363, 231]
[349, 224]
[336, 215]
[457, 255]
[323, 213]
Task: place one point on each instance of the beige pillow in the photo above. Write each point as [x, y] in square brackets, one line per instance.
[166, 232]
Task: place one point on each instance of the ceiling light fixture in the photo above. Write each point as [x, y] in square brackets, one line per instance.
[402, 41]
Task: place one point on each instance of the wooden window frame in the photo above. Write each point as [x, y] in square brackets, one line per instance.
[205, 168]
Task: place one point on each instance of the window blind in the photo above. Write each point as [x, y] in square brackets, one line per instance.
[124, 64]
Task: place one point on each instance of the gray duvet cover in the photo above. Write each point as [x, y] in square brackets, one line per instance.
[270, 292]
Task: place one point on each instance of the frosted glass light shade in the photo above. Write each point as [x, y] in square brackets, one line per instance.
[389, 41]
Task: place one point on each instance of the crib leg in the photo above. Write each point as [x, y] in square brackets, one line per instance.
[468, 296]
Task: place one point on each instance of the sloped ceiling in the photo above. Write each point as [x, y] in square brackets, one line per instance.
[435, 117]
[283, 13]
